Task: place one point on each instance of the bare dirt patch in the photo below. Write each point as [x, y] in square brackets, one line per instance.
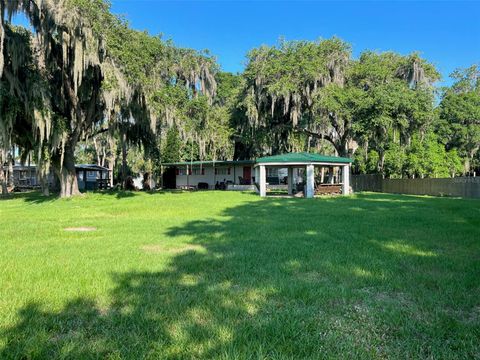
[157, 249]
[81, 229]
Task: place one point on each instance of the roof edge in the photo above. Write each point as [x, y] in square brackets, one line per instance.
[210, 162]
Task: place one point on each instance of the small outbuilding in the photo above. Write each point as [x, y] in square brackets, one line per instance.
[307, 162]
[92, 177]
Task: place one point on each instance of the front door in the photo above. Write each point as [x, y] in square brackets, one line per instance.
[247, 174]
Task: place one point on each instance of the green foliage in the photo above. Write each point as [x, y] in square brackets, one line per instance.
[85, 154]
[280, 84]
[366, 162]
[460, 113]
[394, 161]
[424, 156]
[96, 11]
[427, 157]
[190, 151]
[391, 109]
[318, 89]
[229, 89]
[171, 148]
[137, 162]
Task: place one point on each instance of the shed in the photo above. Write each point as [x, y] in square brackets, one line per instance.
[92, 177]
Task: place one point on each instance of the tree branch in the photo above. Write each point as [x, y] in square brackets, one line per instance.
[316, 135]
[98, 132]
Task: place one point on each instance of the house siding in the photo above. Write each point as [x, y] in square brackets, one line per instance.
[210, 177]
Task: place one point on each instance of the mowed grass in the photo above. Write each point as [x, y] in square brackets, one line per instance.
[229, 275]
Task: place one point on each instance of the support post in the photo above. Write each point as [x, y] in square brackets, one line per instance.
[256, 177]
[310, 181]
[346, 179]
[290, 181]
[214, 176]
[263, 181]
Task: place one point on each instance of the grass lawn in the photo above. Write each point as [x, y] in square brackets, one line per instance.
[231, 275]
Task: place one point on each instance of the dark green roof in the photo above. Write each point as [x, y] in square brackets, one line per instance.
[211, 162]
[90, 167]
[299, 158]
[303, 158]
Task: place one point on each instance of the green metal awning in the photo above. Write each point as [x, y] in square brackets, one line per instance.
[303, 158]
[211, 162]
[290, 158]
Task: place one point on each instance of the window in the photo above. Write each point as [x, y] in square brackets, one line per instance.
[198, 171]
[222, 171]
[80, 176]
[182, 171]
[91, 174]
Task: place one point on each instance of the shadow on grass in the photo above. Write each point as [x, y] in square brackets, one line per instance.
[118, 194]
[121, 194]
[34, 197]
[286, 278]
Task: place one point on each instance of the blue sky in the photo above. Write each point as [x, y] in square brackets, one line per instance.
[446, 33]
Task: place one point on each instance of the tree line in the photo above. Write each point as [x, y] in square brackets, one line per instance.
[81, 85]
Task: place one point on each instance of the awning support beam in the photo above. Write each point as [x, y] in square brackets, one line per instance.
[263, 181]
[310, 181]
[290, 180]
[346, 180]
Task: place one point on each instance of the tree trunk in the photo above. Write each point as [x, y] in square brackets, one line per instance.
[345, 146]
[111, 157]
[382, 163]
[44, 185]
[97, 151]
[2, 40]
[3, 181]
[111, 162]
[66, 173]
[466, 166]
[124, 159]
[11, 163]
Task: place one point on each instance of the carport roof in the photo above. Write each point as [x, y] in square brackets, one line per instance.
[302, 158]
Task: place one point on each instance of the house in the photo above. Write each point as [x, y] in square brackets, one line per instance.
[25, 176]
[293, 172]
[208, 174]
